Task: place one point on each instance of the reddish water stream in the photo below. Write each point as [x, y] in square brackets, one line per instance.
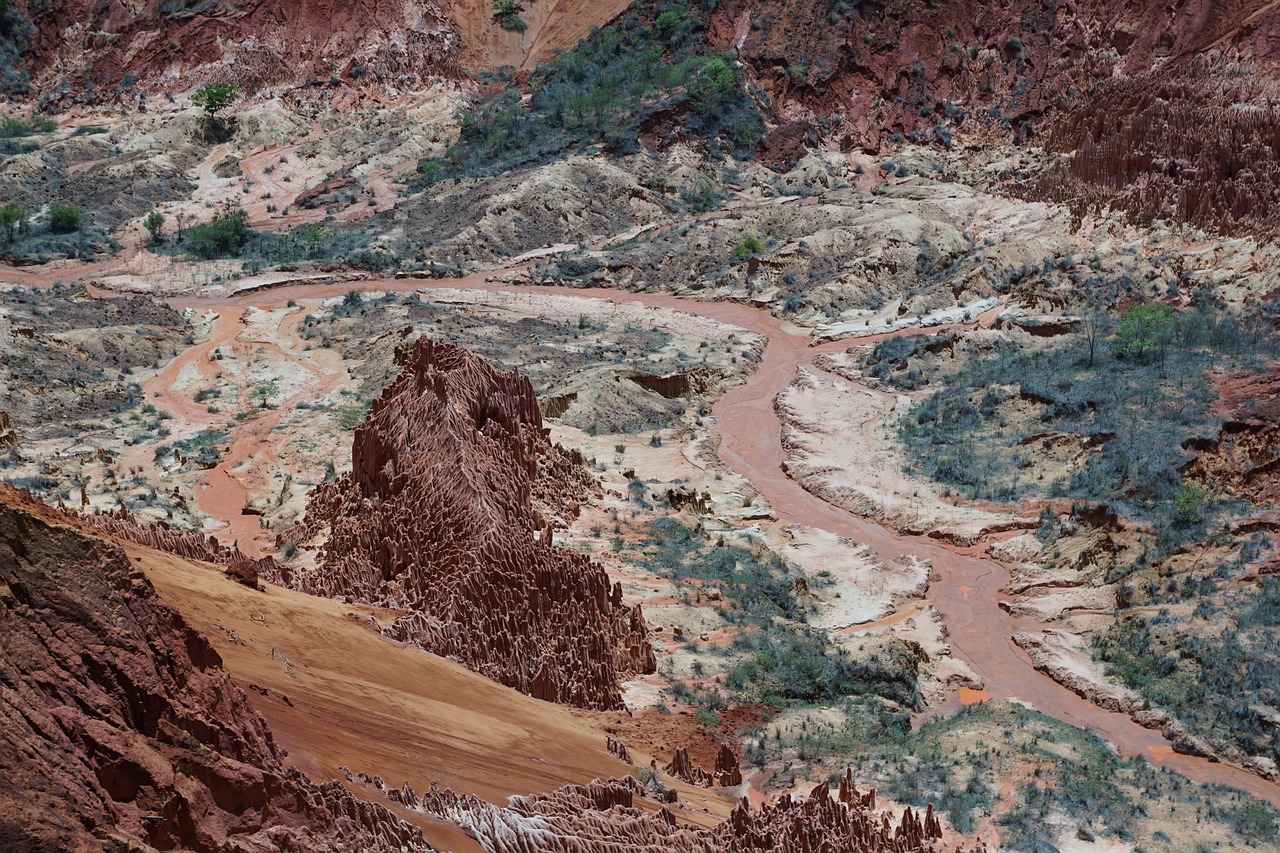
[968, 589]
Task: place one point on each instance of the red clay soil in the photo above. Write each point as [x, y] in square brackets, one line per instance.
[437, 519]
[553, 25]
[119, 726]
[1244, 460]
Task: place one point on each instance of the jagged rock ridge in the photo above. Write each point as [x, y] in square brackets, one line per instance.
[184, 543]
[437, 517]
[120, 730]
[603, 816]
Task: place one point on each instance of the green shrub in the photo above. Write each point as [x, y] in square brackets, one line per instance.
[64, 219]
[221, 237]
[13, 217]
[747, 248]
[1143, 327]
[214, 97]
[706, 718]
[11, 127]
[154, 222]
[506, 14]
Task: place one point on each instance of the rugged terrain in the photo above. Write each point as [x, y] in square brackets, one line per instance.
[123, 729]
[655, 425]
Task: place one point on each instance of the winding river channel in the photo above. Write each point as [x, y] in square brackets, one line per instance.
[968, 586]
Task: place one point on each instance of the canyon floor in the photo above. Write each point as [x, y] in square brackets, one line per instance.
[865, 440]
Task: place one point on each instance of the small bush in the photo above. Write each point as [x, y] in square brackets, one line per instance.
[221, 237]
[747, 248]
[64, 219]
[506, 14]
[11, 127]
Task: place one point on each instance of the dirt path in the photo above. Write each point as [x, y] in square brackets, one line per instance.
[240, 477]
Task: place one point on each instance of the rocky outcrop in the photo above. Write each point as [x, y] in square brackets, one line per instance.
[603, 815]
[1064, 657]
[1164, 111]
[727, 774]
[120, 730]
[875, 74]
[437, 519]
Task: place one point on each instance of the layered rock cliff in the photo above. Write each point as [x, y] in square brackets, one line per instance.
[119, 729]
[437, 518]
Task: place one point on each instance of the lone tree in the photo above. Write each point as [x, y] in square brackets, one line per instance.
[12, 216]
[153, 222]
[314, 236]
[264, 393]
[1141, 328]
[214, 98]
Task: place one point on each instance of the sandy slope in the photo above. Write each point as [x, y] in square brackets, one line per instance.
[358, 700]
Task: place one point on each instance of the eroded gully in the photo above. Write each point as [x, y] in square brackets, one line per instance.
[968, 587]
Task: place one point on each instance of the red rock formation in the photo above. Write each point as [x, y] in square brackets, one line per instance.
[727, 772]
[253, 43]
[1201, 145]
[1168, 111]
[437, 518]
[119, 728]
[344, 48]
[603, 816]
[726, 775]
[618, 749]
[873, 74]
